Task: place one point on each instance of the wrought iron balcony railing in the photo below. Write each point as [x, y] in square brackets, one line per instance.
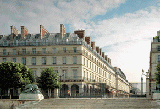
[40, 52]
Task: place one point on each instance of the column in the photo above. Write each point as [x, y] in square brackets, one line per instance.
[81, 89]
[56, 93]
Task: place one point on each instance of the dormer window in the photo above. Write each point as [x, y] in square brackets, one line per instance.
[5, 43]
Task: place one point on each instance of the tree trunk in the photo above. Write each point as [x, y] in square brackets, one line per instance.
[49, 93]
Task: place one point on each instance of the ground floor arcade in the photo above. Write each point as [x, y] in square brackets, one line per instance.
[82, 89]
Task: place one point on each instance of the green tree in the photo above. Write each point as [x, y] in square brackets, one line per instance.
[48, 80]
[14, 75]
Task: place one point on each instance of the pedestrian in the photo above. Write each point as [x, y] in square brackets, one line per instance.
[68, 92]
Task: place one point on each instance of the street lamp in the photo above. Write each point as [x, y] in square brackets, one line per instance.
[61, 76]
[60, 81]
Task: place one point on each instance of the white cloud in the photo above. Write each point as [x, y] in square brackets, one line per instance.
[131, 57]
[30, 13]
[127, 36]
[127, 39]
[134, 26]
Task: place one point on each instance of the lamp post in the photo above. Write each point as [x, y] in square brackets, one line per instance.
[141, 85]
[60, 81]
[142, 82]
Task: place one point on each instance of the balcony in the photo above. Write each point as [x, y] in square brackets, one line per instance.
[76, 79]
[72, 79]
[40, 53]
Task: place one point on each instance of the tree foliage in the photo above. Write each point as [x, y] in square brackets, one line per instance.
[157, 74]
[14, 75]
[48, 79]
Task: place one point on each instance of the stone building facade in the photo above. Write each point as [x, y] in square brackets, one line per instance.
[83, 68]
[154, 60]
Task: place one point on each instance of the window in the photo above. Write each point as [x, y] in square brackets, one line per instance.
[64, 50]
[158, 48]
[54, 50]
[74, 60]
[14, 59]
[4, 59]
[84, 61]
[74, 49]
[43, 60]
[87, 63]
[35, 75]
[109, 76]
[158, 58]
[5, 43]
[54, 60]
[56, 71]
[92, 76]
[74, 73]
[4, 52]
[33, 61]
[33, 50]
[14, 51]
[64, 60]
[90, 65]
[23, 51]
[24, 61]
[44, 50]
[65, 74]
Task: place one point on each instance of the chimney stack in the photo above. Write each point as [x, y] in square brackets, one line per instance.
[93, 46]
[88, 40]
[97, 49]
[109, 61]
[100, 51]
[106, 58]
[62, 30]
[115, 68]
[80, 33]
[24, 32]
[103, 54]
[42, 31]
[14, 32]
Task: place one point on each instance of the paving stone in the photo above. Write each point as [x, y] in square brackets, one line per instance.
[80, 103]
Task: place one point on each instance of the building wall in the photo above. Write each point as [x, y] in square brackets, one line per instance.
[91, 66]
[154, 60]
[49, 57]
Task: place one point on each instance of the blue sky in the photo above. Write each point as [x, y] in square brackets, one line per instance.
[129, 6]
[122, 28]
